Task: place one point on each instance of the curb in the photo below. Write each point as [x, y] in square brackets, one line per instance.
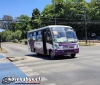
[13, 59]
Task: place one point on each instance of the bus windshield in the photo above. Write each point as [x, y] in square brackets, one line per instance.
[61, 34]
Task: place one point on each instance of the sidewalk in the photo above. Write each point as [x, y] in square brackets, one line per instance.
[7, 69]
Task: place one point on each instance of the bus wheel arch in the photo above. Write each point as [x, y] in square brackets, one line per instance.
[51, 54]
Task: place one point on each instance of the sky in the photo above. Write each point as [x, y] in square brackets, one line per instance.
[16, 8]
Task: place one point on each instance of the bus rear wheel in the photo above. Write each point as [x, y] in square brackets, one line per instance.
[73, 55]
[36, 52]
[52, 55]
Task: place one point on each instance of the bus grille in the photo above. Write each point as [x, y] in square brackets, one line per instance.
[66, 47]
[69, 51]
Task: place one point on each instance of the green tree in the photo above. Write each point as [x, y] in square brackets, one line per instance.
[7, 35]
[22, 22]
[18, 34]
[36, 19]
[47, 14]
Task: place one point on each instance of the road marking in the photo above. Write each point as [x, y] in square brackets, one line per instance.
[19, 65]
[32, 74]
[34, 63]
[22, 68]
[51, 84]
[31, 59]
[27, 70]
[48, 66]
[43, 79]
[16, 62]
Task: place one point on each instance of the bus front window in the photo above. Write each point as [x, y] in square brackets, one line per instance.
[71, 36]
[59, 35]
[62, 35]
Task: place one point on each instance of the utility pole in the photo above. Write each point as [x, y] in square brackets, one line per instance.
[54, 12]
[85, 25]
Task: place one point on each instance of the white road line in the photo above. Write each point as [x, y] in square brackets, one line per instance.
[32, 74]
[51, 84]
[48, 66]
[43, 79]
[25, 67]
[34, 63]
[27, 70]
[19, 65]
[15, 63]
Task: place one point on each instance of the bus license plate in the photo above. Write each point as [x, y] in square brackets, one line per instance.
[68, 53]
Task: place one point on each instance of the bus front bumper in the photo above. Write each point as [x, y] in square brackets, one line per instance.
[66, 52]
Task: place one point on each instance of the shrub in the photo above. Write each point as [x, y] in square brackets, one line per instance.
[25, 41]
[15, 41]
[20, 41]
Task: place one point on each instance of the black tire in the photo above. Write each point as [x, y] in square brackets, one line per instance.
[34, 49]
[38, 54]
[73, 55]
[51, 54]
[35, 52]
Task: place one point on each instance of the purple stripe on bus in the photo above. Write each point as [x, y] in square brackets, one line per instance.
[67, 44]
[65, 52]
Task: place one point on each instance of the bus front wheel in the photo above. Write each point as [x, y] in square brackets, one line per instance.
[52, 55]
[73, 55]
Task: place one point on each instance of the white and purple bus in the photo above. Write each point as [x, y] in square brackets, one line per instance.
[53, 40]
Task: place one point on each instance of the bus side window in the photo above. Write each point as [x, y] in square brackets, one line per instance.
[34, 36]
[28, 36]
[39, 36]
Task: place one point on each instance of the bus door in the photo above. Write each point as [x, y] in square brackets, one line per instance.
[44, 41]
[39, 43]
[49, 42]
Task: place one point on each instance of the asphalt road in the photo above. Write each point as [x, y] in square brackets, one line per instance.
[15, 50]
[82, 70]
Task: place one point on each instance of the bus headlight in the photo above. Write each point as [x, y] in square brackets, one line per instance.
[56, 46]
[77, 46]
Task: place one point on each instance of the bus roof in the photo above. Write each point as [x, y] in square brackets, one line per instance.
[49, 27]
